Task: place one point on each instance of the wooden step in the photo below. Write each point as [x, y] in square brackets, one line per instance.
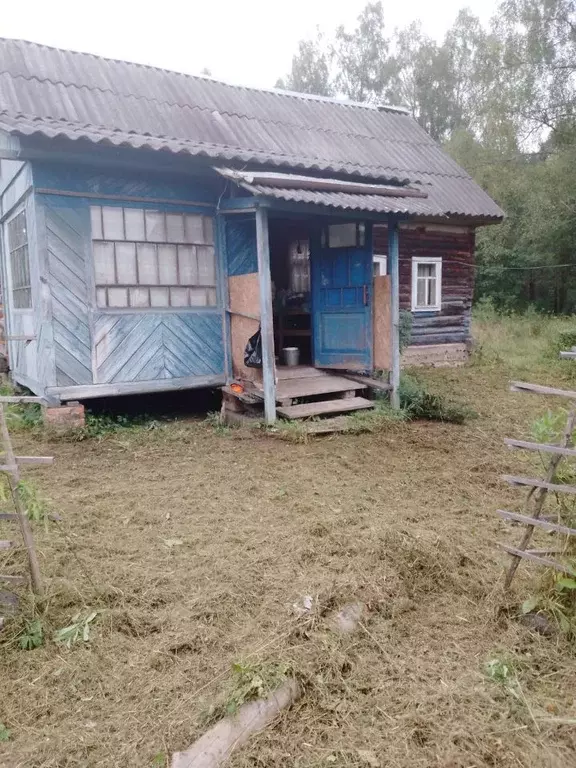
[298, 372]
[307, 410]
[290, 389]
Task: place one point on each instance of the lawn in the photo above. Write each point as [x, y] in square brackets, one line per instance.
[194, 543]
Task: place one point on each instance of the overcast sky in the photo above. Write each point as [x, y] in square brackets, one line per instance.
[249, 42]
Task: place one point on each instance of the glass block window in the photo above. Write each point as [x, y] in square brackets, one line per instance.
[152, 259]
[19, 262]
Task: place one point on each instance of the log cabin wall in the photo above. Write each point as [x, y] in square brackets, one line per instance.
[455, 246]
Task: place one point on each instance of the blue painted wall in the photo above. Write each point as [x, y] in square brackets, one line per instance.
[241, 254]
[94, 181]
[93, 346]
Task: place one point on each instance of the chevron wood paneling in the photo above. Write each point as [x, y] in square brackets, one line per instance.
[146, 346]
[67, 243]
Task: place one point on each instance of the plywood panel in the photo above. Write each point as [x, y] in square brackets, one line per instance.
[244, 296]
[382, 324]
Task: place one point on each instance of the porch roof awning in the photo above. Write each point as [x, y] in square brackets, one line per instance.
[422, 200]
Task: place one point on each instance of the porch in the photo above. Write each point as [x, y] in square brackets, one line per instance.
[304, 276]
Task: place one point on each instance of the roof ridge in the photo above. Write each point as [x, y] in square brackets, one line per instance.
[209, 78]
[183, 105]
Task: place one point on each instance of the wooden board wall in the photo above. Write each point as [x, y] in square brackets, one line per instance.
[244, 296]
[455, 245]
[382, 324]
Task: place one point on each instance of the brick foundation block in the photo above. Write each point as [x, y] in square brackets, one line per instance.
[69, 416]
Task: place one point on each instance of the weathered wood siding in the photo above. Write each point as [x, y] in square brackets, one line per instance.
[91, 346]
[455, 246]
[26, 359]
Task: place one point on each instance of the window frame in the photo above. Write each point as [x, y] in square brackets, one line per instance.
[9, 264]
[382, 260]
[207, 231]
[437, 262]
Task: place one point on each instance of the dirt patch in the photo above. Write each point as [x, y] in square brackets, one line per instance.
[196, 545]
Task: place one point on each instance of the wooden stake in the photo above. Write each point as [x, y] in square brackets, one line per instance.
[540, 496]
[14, 481]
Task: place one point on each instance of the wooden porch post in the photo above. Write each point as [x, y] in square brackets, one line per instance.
[266, 315]
[393, 259]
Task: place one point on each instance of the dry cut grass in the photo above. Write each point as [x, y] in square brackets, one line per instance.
[196, 543]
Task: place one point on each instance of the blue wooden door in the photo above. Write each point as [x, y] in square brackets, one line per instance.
[342, 305]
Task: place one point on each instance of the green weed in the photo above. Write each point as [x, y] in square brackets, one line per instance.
[249, 681]
[419, 403]
[78, 630]
[4, 733]
[32, 636]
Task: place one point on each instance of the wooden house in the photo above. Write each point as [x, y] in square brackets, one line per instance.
[152, 220]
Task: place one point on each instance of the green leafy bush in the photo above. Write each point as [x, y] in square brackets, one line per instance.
[405, 329]
[419, 403]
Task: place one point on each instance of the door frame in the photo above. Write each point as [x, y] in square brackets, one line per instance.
[315, 247]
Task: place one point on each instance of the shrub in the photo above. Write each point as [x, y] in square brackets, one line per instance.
[419, 403]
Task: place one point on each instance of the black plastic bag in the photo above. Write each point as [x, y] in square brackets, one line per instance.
[253, 351]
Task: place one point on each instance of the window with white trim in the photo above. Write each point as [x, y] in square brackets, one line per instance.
[379, 265]
[426, 284]
[17, 232]
[152, 259]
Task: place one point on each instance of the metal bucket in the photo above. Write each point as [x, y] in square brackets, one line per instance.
[291, 356]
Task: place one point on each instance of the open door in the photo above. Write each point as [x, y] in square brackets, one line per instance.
[341, 277]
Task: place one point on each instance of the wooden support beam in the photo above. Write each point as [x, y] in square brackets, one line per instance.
[13, 579]
[540, 447]
[537, 389]
[533, 482]
[8, 516]
[394, 271]
[34, 459]
[545, 561]
[6, 544]
[266, 315]
[546, 525]
[24, 399]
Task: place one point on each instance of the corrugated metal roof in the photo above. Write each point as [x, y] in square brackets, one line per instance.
[349, 201]
[61, 93]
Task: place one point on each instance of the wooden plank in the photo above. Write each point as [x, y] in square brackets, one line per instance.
[539, 522]
[378, 384]
[15, 399]
[393, 267]
[7, 467]
[8, 516]
[34, 459]
[300, 372]
[266, 314]
[540, 447]
[21, 337]
[537, 389]
[546, 562]
[6, 544]
[288, 389]
[567, 355]
[8, 598]
[307, 410]
[533, 482]
[84, 392]
[13, 579]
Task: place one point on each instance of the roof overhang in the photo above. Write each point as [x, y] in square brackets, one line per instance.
[335, 194]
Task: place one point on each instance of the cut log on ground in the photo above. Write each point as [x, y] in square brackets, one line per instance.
[215, 747]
